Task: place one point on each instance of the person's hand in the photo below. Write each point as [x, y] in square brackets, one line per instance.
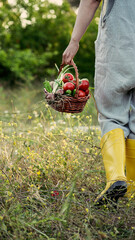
[70, 52]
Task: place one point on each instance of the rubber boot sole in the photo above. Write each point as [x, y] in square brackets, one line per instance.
[117, 190]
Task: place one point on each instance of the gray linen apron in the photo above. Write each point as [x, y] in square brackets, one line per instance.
[115, 67]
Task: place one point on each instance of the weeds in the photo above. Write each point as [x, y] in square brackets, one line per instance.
[50, 173]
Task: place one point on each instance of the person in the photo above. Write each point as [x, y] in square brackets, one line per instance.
[114, 89]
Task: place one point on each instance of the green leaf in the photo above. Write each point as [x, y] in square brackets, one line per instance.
[56, 67]
[4, 227]
[67, 204]
[69, 92]
[47, 86]
[74, 92]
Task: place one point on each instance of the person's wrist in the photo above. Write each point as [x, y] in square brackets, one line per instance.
[74, 40]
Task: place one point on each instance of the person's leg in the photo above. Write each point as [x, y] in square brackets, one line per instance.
[114, 79]
[132, 117]
[113, 105]
[130, 167]
[130, 150]
[113, 152]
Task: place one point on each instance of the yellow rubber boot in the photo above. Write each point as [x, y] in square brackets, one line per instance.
[113, 153]
[130, 167]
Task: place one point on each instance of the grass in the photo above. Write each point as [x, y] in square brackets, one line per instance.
[50, 173]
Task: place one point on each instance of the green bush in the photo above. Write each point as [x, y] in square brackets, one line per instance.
[23, 65]
[29, 48]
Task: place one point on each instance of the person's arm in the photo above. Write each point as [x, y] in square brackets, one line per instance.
[86, 12]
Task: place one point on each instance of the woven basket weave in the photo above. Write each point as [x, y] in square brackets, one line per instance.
[64, 103]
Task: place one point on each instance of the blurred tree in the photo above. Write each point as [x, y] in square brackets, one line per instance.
[33, 36]
[74, 3]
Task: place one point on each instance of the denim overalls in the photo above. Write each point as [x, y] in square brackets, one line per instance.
[115, 67]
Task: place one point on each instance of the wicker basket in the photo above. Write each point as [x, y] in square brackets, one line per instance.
[64, 103]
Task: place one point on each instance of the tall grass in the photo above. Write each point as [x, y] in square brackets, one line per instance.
[50, 173]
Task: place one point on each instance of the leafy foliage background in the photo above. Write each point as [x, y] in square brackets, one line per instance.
[74, 2]
[34, 34]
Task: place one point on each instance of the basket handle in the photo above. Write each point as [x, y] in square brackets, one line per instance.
[76, 76]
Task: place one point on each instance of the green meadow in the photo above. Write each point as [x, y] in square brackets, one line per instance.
[51, 167]
[51, 171]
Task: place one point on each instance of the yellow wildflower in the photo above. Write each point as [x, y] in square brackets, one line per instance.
[87, 210]
[29, 117]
